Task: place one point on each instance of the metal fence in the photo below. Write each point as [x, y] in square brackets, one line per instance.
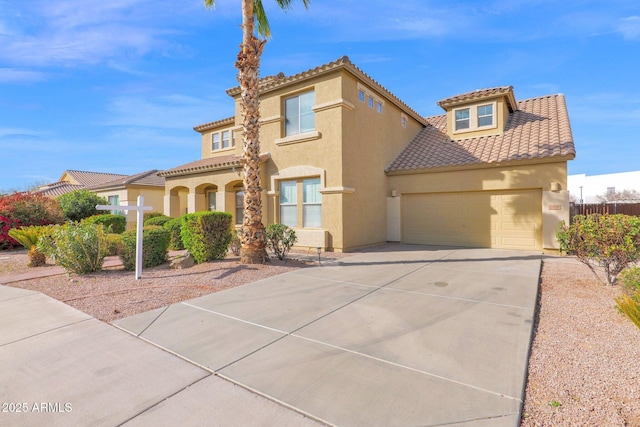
[604, 208]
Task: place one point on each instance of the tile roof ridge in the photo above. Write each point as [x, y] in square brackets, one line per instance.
[342, 62]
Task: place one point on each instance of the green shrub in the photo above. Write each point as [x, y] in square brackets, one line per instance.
[80, 204]
[148, 215]
[174, 225]
[79, 248]
[630, 278]
[159, 220]
[630, 305]
[114, 244]
[206, 235]
[113, 223]
[155, 247]
[611, 241]
[280, 239]
[235, 243]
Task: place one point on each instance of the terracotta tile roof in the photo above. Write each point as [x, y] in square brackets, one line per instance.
[92, 178]
[147, 178]
[211, 125]
[271, 83]
[204, 165]
[480, 94]
[58, 189]
[538, 129]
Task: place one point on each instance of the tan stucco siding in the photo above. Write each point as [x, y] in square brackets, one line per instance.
[371, 140]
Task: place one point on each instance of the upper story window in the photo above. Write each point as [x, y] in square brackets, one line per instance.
[475, 118]
[222, 140]
[298, 114]
[361, 95]
[225, 139]
[462, 119]
[485, 115]
[379, 107]
[370, 101]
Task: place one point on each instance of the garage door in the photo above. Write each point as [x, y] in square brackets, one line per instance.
[505, 219]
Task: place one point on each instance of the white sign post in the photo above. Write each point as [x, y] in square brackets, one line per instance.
[139, 208]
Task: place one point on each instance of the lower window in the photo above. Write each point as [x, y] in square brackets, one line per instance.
[301, 203]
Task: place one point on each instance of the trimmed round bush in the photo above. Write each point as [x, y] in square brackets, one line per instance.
[174, 225]
[155, 247]
[149, 215]
[206, 235]
[112, 223]
[157, 220]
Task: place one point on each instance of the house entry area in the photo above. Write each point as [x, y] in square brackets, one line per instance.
[488, 219]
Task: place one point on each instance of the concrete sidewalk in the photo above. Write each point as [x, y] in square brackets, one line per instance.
[404, 336]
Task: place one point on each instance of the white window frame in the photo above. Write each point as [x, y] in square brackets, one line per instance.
[215, 140]
[474, 117]
[225, 139]
[301, 202]
[288, 131]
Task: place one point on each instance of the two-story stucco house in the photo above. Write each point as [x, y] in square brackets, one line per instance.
[347, 164]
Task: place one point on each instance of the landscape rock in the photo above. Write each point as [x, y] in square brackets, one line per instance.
[183, 261]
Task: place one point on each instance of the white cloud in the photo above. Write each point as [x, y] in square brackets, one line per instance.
[72, 32]
[629, 27]
[14, 75]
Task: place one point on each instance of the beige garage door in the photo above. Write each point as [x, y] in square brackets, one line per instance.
[505, 219]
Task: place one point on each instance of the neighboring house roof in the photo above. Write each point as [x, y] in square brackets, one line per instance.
[538, 129]
[205, 165]
[272, 83]
[147, 178]
[91, 178]
[58, 189]
[480, 94]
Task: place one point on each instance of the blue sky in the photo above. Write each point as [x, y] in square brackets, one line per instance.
[117, 86]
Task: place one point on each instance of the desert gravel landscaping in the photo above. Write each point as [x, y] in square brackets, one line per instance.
[584, 368]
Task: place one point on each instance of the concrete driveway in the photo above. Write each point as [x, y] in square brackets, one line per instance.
[404, 336]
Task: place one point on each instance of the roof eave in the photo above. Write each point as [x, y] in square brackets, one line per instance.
[482, 165]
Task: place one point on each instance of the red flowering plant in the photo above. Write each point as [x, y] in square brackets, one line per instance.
[24, 209]
[6, 241]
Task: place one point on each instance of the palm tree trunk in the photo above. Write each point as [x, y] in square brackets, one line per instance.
[252, 237]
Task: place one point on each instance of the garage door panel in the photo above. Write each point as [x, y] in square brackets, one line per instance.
[510, 219]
